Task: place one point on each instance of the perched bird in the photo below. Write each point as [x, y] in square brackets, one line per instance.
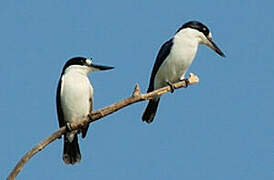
[74, 101]
[174, 58]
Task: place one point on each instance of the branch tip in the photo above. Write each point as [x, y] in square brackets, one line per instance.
[136, 91]
[193, 78]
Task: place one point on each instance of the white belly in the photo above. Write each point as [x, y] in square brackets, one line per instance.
[75, 97]
[176, 64]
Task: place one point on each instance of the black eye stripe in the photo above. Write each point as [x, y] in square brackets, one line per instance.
[75, 61]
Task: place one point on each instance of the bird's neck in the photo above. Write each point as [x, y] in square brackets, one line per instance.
[185, 46]
[188, 37]
[77, 71]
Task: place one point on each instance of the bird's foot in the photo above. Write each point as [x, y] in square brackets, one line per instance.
[172, 88]
[68, 127]
[186, 81]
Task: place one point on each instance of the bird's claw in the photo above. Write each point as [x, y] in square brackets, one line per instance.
[172, 88]
[186, 81]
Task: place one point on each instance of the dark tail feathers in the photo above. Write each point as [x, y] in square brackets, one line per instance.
[151, 110]
[71, 154]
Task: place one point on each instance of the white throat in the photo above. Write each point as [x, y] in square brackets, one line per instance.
[84, 70]
[185, 46]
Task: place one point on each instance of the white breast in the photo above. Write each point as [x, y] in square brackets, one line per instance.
[178, 61]
[76, 92]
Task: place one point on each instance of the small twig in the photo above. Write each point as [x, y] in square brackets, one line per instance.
[95, 115]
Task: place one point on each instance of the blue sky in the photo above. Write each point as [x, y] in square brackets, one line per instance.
[221, 128]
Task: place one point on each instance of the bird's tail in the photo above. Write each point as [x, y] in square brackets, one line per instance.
[151, 110]
[71, 154]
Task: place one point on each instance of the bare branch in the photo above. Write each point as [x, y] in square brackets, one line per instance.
[95, 115]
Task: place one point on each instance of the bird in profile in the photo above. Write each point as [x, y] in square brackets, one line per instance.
[74, 101]
[174, 58]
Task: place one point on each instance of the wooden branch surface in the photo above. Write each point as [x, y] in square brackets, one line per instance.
[98, 114]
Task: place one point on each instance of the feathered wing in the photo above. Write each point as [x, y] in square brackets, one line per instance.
[84, 130]
[59, 106]
[71, 152]
[152, 106]
[162, 55]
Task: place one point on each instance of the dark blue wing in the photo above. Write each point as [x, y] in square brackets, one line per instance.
[58, 104]
[163, 53]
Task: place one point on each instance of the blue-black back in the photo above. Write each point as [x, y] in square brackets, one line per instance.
[162, 55]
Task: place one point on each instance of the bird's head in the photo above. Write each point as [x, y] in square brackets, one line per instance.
[202, 33]
[84, 65]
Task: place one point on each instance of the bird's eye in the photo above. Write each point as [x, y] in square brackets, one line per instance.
[88, 61]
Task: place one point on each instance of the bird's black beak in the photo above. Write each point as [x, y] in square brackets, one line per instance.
[214, 47]
[100, 67]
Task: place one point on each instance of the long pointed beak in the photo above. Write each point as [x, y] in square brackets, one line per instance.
[214, 47]
[100, 67]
